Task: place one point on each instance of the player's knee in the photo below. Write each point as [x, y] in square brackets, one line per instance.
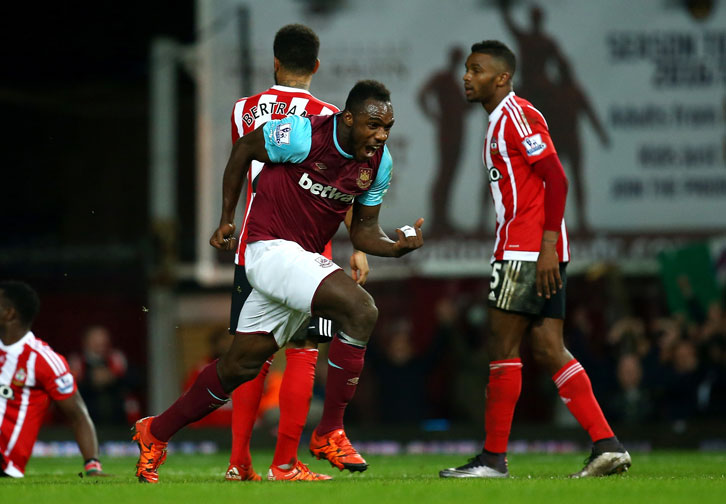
[502, 348]
[357, 317]
[366, 315]
[545, 355]
[246, 373]
[238, 371]
[503, 353]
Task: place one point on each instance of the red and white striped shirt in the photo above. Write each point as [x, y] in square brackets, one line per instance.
[518, 137]
[251, 113]
[31, 374]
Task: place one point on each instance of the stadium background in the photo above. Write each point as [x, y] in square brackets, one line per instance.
[116, 129]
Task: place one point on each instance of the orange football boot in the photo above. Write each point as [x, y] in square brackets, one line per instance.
[241, 473]
[299, 472]
[336, 449]
[152, 452]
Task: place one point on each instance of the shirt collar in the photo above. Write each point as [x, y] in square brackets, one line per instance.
[28, 336]
[335, 137]
[288, 89]
[494, 116]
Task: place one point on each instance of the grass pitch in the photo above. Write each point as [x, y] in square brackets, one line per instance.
[658, 477]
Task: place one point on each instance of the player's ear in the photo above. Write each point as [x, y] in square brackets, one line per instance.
[277, 65]
[348, 118]
[7, 313]
[317, 65]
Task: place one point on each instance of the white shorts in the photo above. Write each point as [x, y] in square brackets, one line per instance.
[284, 278]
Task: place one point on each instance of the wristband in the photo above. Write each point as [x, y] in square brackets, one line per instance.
[92, 465]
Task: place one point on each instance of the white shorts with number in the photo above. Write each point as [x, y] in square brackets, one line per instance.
[284, 278]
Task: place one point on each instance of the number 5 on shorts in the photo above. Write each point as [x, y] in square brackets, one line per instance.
[494, 281]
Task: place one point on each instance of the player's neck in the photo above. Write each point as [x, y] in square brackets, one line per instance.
[497, 98]
[10, 335]
[293, 81]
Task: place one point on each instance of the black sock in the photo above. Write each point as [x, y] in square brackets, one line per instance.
[610, 444]
[496, 461]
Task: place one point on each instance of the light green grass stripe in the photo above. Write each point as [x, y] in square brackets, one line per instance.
[660, 477]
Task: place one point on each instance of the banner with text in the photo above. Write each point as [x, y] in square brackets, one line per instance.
[634, 95]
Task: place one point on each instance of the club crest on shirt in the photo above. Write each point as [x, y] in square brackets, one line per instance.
[281, 134]
[19, 378]
[320, 166]
[494, 147]
[534, 145]
[323, 262]
[365, 177]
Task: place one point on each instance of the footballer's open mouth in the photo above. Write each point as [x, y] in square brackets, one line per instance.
[370, 150]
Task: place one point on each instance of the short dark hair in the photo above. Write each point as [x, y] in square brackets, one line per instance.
[497, 50]
[296, 47]
[362, 91]
[24, 299]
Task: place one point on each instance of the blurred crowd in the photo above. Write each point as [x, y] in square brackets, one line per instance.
[647, 365]
[427, 359]
[670, 368]
[106, 382]
[651, 364]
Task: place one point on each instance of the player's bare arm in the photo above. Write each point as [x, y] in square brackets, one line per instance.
[555, 183]
[248, 148]
[548, 266]
[367, 235]
[74, 409]
[359, 268]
